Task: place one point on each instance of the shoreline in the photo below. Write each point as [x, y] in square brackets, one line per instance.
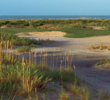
[52, 17]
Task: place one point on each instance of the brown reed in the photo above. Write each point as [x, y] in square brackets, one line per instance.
[75, 74]
[0, 57]
[23, 63]
[61, 66]
[53, 61]
[101, 47]
[35, 55]
[29, 58]
[92, 46]
[44, 58]
[12, 59]
[7, 44]
[108, 47]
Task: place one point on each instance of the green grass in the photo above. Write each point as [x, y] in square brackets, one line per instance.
[106, 61]
[103, 95]
[9, 40]
[81, 92]
[81, 32]
[21, 77]
[18, 30]
[24, 49]
[71, 32]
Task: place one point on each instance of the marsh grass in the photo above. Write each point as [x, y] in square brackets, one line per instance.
[24, 49]
[92, 47]
[22, 77]
[108, 46]
[81, 92]
[106, 61]
[103, 95]
[8, 41]
[63, 95]
[101, 47]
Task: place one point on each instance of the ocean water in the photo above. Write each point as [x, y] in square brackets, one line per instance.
[53, 17]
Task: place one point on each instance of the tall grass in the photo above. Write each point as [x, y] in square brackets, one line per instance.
[24, 49]
[10, 40]
[23, 78]
[106, 61]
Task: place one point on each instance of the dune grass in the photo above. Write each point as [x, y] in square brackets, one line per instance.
[24, 49]
[71, 32]
[9, 41]
[22, 77]
[106, 61]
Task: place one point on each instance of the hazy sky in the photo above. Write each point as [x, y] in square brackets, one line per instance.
[54, 7]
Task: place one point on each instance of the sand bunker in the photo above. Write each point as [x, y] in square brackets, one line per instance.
[45, 33]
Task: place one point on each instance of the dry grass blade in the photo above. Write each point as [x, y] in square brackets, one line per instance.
[92, 47]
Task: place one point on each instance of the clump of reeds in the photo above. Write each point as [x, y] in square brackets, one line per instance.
[92, 47]
[10, 40]
[101, 47]
[103, 95]
[81, 92]
[24, 49]
[108, 47]
[63, 96]
[106, 61]
[20, 75]
[48, 40]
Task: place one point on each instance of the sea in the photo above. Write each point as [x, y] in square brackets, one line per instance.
[54, 17]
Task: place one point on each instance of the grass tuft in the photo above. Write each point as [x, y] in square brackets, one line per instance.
[106, 61]
[23, 49]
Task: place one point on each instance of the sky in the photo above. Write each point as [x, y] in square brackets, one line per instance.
[54, 7]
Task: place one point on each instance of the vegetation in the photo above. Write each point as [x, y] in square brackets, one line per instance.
[23, 77]
[71, 32]
[100, 47]
[81, 92]
[23, 49]
[9, 41]
[104, 95]
[106, 61]
[76, 28]
[92, 47]
[71, 23]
